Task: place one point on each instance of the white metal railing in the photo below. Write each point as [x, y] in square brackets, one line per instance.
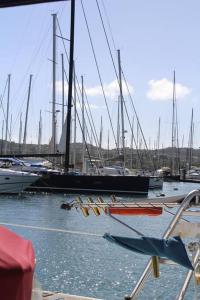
[186, 203]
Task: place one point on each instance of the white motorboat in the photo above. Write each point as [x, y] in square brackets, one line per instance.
[14, 182]
[24, 166]
[155, 182]
[193, 174]
[155, 179]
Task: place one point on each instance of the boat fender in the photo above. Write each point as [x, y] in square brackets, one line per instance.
[100, 200]
[155, 266]
[197, 274]
[113, 198]
[79, 200]
[96, 210]
[85, 211]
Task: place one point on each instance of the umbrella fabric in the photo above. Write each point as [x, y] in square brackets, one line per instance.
[17, 263]
[172, 248]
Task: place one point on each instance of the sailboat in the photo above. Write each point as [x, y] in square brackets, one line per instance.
[67, 181]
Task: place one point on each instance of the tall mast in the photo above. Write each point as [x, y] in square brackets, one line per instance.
[7, 113]
[131, 146]
[182, 143]
[118, 123]
[2, 135]
[191, 141]
[74, 152]
[100, 136]
[27, 109]
[173, 123]
[83, 123]
[10, 133]
[158, 142]
[122, 106]
[20, 132]
[40, 132]
[71, 60]
[108, 146]
[63, 90]
[54, 85]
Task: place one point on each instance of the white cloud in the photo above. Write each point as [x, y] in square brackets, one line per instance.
[59, 87]
[78, 105]
[161, 90]
[111, 90]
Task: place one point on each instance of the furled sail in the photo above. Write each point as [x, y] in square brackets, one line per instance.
[10, 3]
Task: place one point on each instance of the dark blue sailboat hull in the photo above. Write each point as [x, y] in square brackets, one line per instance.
[93, 184]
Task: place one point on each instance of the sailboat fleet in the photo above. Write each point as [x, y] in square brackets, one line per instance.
[103, 178]
[68, 178]
[96, 177]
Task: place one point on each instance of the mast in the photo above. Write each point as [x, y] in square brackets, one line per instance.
[108, 146]
[10, 133]
[54, 86]
[27, 109]
[2, 135]
[74, 152]
[63, 90]
[158, 143]
[131, 146]
[71, 60]
[83, 124]
[182, 143]
[191, 141]
[118, 123]
[122, 107]
[40, 132]
[173, 124]
[7, 113]
[20, 132]
[100, 136]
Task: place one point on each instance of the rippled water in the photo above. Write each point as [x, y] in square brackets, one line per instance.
[77, 263]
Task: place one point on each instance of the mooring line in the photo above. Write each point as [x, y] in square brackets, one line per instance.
[52, 229]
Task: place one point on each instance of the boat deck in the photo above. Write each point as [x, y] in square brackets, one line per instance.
[60, 296]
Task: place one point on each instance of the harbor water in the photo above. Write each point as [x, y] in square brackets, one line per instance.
[72, 256]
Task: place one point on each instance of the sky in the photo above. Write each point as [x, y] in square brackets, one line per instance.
[154, 38]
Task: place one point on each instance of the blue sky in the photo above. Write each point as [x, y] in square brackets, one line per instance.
[154, 37]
